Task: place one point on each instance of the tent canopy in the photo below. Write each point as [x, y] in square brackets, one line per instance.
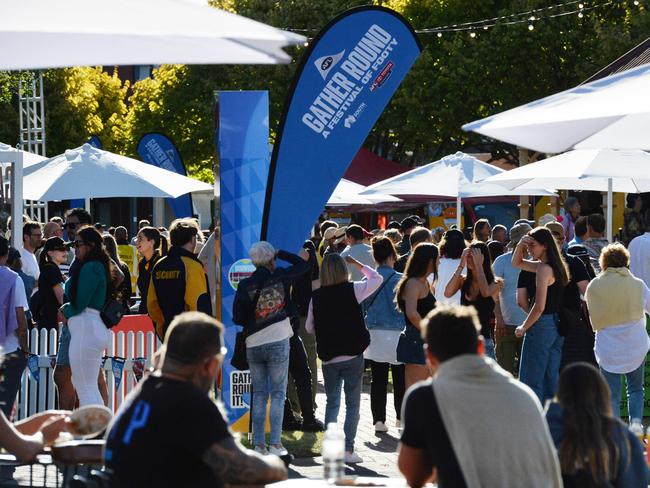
[612, 112]
[88, 172]
[38, 34]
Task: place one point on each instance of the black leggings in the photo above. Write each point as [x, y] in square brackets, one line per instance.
[379, 387]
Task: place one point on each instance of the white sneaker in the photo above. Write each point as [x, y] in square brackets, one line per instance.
[352, 458]
[261, 449]
[380, 427]
[278, 450]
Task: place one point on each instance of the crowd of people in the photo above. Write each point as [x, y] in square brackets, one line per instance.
[491, 326]
[550, 304]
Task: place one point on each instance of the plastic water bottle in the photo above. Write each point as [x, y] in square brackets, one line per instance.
[333, 453]
[636, 427]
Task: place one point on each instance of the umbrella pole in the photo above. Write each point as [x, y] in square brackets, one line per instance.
[610, 208]
[458, 213]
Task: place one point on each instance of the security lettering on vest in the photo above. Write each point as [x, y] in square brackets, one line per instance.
[345, 85]
[168, 275]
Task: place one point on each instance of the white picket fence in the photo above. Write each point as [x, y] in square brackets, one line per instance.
[37, 396]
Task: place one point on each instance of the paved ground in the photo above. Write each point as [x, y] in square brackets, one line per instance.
[379, 451]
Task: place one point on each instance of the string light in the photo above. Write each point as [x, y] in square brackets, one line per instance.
[573, 7]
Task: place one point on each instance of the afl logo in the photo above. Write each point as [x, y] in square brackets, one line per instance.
[327, 62]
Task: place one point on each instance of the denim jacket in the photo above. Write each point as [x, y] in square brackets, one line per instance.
[382, 313]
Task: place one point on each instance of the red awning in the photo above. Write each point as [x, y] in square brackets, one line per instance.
[367, 168]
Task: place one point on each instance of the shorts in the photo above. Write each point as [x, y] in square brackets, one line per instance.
[63, 355]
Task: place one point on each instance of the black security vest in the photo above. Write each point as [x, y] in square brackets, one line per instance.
[338, 320]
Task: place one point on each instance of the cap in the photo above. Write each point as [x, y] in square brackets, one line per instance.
[517, 232]
[555, 228]
[408, 223]
[56, 244]
[367, 235]
[99, 225]
[546, 218]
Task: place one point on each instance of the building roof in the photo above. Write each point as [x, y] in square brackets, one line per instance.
[634, 57]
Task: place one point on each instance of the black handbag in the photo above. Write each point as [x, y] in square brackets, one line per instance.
[238, 359]
[112, 312]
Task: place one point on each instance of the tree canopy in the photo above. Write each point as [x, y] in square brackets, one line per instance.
[457, 79]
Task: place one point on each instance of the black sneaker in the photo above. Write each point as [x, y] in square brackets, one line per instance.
[313, 425]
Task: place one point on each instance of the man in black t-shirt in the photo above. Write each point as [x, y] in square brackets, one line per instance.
[169, 433]
[472, 411]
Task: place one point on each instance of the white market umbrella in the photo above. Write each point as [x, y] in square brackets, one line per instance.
[610, 170]
[613, 112]
[347, 193]
[458, 175]
[29, 158]
[88, 172]
[38, 34]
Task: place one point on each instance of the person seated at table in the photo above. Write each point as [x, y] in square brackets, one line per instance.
[169, 433]
[473, 423]
[27, 438]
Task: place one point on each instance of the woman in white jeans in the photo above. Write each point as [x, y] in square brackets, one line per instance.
[87, 291]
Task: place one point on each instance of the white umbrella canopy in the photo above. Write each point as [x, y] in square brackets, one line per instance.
[347, 193]
[88, 172]
[613, 112]
[39, 34]
[28, 157]
[608, 170]
[458, 175]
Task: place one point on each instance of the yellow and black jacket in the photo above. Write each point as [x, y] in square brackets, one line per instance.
[178, 284]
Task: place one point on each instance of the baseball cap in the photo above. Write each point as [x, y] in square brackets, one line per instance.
[408, 223]
[393, 224]
[555, 228]
[546, 218]
[517, 232]
[56, 244]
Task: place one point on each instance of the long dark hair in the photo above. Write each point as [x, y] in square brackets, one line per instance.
[487, 266]
[417, 265]
[96, 252]
[588, 424]
[111, 248]
[553, 256]
[160, 244]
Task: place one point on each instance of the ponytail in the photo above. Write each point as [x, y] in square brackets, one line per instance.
[160, 244]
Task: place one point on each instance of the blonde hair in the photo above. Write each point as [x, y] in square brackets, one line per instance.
[614, 256]
[334, 271]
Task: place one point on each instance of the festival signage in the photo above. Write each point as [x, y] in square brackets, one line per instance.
[159, 150]
[243, 143]
[347, 76]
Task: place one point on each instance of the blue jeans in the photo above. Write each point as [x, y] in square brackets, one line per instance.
[489, 349]
[634, 382]
[348, 374]
[269, 367]
[540, 357]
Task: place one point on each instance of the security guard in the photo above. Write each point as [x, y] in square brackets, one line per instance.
[178, 282]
